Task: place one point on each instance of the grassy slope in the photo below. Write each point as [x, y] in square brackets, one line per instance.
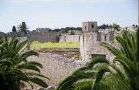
[38, 45]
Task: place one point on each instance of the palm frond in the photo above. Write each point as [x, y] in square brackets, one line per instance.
[67, 84]
[29, 53]
[38, 81]
[26, 66]
[36, 75]
[84, 84]
[35, 64]
[112, 49]
[96, 61]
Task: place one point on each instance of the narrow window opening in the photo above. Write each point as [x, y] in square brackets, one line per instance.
[85, 27]
[105, 38]
[92, 26]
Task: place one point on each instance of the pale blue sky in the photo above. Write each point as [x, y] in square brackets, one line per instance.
[64, 13]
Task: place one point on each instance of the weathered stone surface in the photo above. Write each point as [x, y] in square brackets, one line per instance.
[69, 38]
[56, 67]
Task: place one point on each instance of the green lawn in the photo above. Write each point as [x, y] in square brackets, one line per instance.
[38, 45]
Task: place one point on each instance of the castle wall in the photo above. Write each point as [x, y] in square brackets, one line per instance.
[44, 37]
[69, 38]
[56, 67]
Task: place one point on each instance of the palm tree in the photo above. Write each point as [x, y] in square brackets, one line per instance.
[95, 77]
[16, 69]
[121, 74]
[125, 55]
[68, 83]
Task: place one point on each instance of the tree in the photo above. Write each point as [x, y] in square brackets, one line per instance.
[23, 28]
[14, 32]
[116, 27]
[105, 26]
[100, 74]
[14, 29]
[72, 33]
[92, 77]
[137, 43]
[16, 69]
[126, 56]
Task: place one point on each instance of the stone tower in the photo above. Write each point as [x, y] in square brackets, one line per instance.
[90, 41]
[87, 38]
[89, 26]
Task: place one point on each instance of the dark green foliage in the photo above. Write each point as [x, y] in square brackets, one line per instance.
[104, 26]
[72, 33]
[14, 29]
[126, 56]
[23, 28]
[16, 69]
[116, 27]
[138, 43]
[92, 77]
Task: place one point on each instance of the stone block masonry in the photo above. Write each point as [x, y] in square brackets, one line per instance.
[56, 67]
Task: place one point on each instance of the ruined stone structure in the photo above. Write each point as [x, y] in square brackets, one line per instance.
[57, 67]
[44, 35]
[90, 41]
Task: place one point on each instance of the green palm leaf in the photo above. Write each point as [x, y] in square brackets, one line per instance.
[15, 66]
[38, 81]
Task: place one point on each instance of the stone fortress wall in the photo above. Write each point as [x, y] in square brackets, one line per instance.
[57, 67]
[43, 35]
[90, 40]
[69, 38]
